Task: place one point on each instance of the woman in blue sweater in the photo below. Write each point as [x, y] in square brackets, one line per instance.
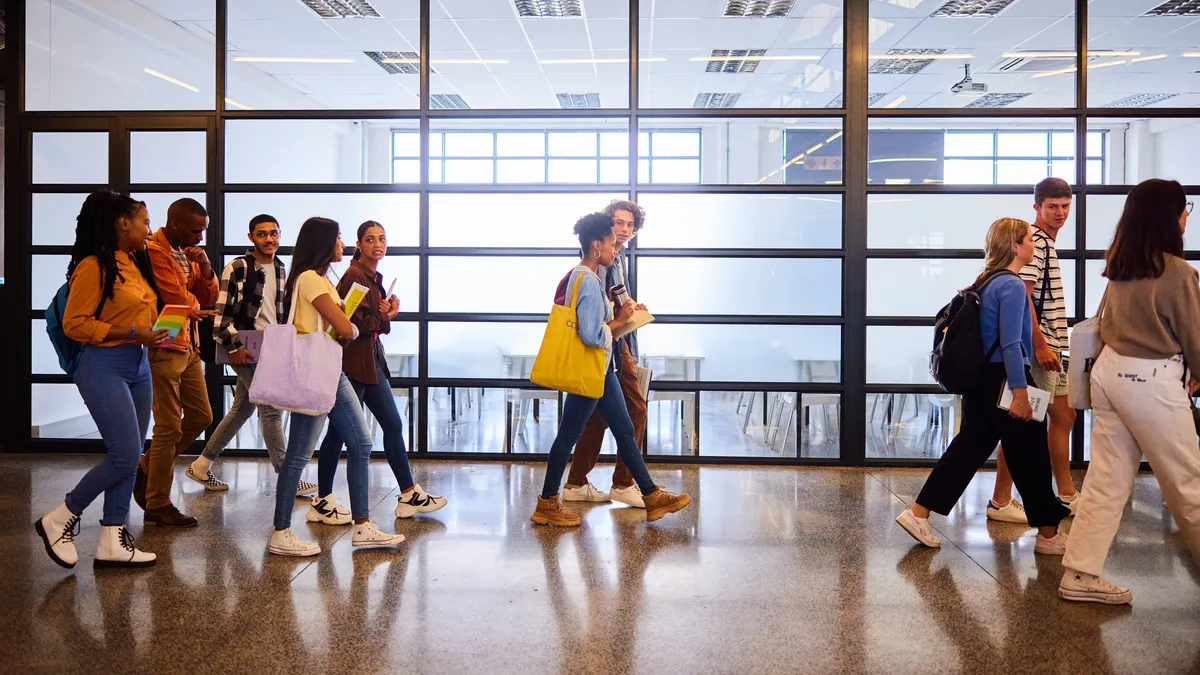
[1007, 331]
[596, 321]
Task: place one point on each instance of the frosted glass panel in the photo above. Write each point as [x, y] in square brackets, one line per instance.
[396, 211]
[70, 157]
[741, 221]
[743, 353]
[495, 284]
[54, 218]
[167, 156]
[740, 286]
[899, 354]
[514, 220]
[938, 221]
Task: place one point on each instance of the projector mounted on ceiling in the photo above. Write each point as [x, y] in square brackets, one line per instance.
[967, 86]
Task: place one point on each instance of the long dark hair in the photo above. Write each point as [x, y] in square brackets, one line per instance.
[96, 235]
[362, 232]
[313, 251]
[1147, 232]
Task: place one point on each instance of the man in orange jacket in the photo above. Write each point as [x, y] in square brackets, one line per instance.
[181, 411]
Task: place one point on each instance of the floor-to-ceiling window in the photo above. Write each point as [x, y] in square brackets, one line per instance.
[817, 177]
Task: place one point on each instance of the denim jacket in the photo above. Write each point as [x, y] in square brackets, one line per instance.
[614, 276]
[594, 311]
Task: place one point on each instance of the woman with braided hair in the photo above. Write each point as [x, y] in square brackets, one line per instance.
[111, 308]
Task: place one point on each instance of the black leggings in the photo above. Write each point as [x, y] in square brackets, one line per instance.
[1025, 450]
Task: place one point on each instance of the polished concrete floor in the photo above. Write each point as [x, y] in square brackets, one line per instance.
[771, 570]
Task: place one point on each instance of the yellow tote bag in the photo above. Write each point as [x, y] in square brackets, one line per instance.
[563, 362]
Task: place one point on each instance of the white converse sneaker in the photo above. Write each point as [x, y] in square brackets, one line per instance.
[327, 510]
[1077, 586]
[919, 528]
[209, 481]
[586, 493]
[285, 542]
[1072, 502]
[1056, 545]
[58, 530]
[116, 549]
[1012, 512]
[631, 496]
[306, 489]
[417, 501]
[369, 534]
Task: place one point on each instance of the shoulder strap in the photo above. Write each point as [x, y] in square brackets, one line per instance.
[573, 302]
[1041, 303]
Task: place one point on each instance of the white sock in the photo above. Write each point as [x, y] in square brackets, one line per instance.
[201, 466]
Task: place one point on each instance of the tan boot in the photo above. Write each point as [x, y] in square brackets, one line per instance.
[552, 512]
[660, 502]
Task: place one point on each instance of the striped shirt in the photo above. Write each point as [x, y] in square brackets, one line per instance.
[1049, 301]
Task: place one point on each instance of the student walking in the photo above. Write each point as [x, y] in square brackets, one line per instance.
[1005, 321]
[1047, 302]
[252, 289]
[1150, 326]
[628, 219]
[365, 365]
[314, 304]
[111, 308]
[596, 319]
[184, 276]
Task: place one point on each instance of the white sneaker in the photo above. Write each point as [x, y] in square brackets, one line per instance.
[58, 530]
[116, 549]
[1079, 587]
[1056, 545]
[1071, 502]
[285, 542]
[417, 501]
[631, 496]
[208, 480]
[1012, 512]
[327, 510]
[586, 493]
[369, 534]
[306, 489]
[919, 528]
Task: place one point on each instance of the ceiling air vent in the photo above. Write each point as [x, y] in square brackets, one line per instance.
[342, 9]
[578, 100]
[447, 102]
[906, 63]
[771, 9]
[398, 63]
[548, 9]
[972, 7]
[716, 100]
[1176, 8]
[1140, 100]
[871, 100]
[996, 100]
[733, 60]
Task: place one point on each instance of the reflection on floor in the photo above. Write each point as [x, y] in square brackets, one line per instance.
[770, 570]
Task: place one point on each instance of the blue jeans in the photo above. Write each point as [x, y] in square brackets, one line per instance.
[347, 418]
[115, 384]
[576, 411]
[382, 405]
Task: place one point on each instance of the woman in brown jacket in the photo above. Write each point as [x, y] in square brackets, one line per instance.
[364, 365]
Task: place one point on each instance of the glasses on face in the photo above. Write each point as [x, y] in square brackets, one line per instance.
[1190, 206]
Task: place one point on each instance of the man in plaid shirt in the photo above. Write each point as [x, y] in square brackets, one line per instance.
[252, 292]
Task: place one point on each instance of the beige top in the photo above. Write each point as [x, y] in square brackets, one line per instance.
[1155, 318]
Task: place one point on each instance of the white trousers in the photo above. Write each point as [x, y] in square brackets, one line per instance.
[1140, 407]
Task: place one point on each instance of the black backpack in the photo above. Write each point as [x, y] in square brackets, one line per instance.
[958, 358]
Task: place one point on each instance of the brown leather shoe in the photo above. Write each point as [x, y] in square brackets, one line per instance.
[139, 487]
[552, 512]
[660, 502]
[168, 516]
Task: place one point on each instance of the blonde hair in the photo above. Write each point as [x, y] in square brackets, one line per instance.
[1000, 245]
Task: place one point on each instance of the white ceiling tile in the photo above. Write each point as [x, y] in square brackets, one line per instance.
[555, 34]
[472, 9]
[253, 35]
[205, 30]
[680, 9]
[372, 35]
[182, 10]
[609, 33]
[269, 9]
[493, 34]
[1120, 8]
[697, 34]
[398, 9]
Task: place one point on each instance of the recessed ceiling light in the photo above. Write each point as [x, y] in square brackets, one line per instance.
[397, 63]
[1061, 71]
[170, 79]
[1176, 8]
[548, 9]
[732, 60]
[291, 59]
[447, 102]
[342, 9]
[578, 100]
[1118, 62]
[959, 8]
[1140, 100]
[904, 61]
[770, 9]
[559, 62]
[1148, 58]
[716, 100]
[996, 100]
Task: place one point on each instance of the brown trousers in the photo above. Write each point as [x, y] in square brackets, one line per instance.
[587, 450]
[181, 414]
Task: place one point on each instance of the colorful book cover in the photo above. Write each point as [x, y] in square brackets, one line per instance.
[353, 299]
[174, 318]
